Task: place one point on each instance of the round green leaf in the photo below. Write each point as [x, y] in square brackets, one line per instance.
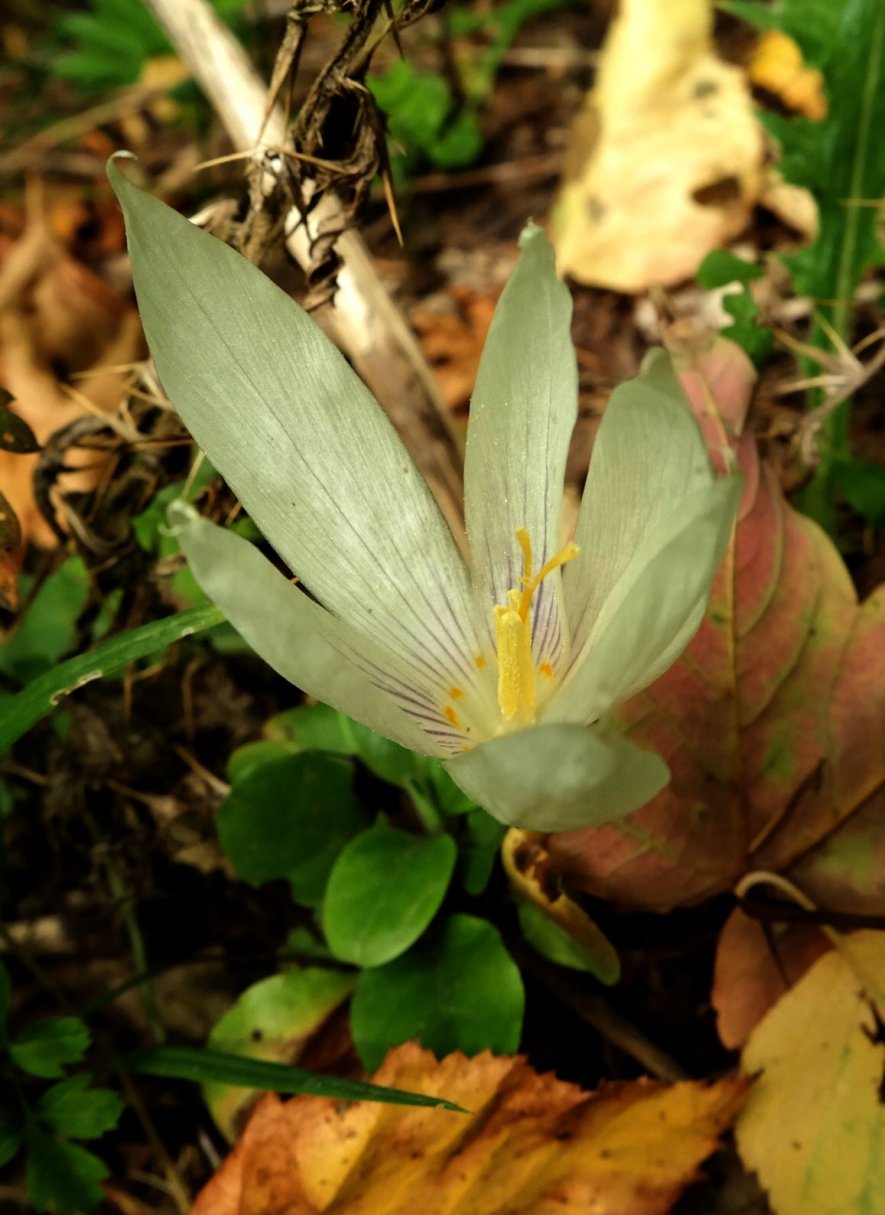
[384, 890]
[289, 818]
[271, 1020]
[461, 991]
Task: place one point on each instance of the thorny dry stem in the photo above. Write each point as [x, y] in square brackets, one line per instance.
[841, 376]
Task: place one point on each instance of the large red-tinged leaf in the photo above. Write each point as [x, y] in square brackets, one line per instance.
[773, 721]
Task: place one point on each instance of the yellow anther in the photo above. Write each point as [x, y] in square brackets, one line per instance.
[513, 635]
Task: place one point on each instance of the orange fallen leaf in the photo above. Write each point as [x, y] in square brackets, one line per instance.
[777, 66]
[57, 318]
[452, 341]
[530, 1145]
[772, 722]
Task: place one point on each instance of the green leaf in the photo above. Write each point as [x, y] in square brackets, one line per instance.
[322, 728]
[313, 728]
[10, 1139]
[720, 268]
[385, 759]
[204, 1066]
[256, 754]
[863, 486]
[45, 1047]
[75, 1109]
[49, 627]
[289, 818]
[21, 712]
[555, 944]
[302, 943]
[848, 168]
[385, 888]
[840, 162]
[421, 115]
[461, 991]
[271, 1020]
[437, 788]
[5, 995]
[476, 856]
[62, 1175]
[15, 434]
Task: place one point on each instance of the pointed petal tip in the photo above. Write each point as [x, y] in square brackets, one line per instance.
[111, 169]
[180, 513]
[531, 232]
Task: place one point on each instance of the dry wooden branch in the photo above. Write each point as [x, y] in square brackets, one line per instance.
[364, 321]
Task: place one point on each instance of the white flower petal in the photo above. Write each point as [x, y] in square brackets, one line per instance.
[299, 438]
[655, 608]
[649, 456]
[294, 635]
[559, 777]
[522, 415]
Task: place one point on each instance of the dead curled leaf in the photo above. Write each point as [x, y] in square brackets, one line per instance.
[530, 1145]
[666, 159]
[57, 318]
[772, 722]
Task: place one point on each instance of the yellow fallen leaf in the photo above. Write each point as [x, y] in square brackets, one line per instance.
[531, 1145]
[814, 1125]
[777, 66]
[666, 161]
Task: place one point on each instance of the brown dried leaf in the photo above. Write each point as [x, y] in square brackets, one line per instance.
[531, 1145]
[453, 340]
[56, 313]
[754, 968]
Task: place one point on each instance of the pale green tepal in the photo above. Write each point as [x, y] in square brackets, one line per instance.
[506, 668]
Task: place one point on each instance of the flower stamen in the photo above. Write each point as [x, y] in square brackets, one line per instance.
[517, 698]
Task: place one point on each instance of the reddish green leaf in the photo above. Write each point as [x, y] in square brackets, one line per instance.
[773, 722]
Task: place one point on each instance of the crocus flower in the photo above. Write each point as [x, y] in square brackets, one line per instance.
[507, 666]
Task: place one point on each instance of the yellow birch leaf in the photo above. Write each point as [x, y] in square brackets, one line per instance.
[814, 1125]
[530, 1145]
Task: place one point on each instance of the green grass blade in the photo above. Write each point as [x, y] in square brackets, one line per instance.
[202, 1066]
[40, 697]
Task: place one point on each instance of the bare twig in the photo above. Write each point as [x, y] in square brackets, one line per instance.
[365, 321]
